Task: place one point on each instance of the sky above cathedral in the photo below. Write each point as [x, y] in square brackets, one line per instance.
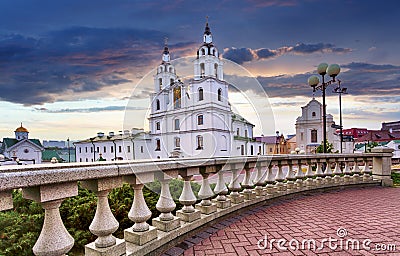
[69, 68]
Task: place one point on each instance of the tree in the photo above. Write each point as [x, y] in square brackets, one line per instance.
[329, 148]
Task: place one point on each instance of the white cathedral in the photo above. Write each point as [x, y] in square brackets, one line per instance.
[192, 119]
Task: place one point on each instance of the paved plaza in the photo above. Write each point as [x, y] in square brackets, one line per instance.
[348, 222]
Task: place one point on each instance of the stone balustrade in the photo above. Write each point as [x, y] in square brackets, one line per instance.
[241, 182]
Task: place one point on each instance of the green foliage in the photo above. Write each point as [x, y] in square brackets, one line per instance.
[329, 148]
[396, 178]
[370, 145]
[20, 227]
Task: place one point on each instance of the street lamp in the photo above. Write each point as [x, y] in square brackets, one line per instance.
[277, 142]
[340, 90]
[332, 70]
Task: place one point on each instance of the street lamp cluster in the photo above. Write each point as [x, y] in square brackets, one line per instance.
[332, 70]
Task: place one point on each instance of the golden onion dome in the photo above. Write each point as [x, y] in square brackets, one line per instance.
[21, 129]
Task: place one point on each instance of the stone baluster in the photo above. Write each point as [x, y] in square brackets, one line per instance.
[310, 183]
[188, 213]
[221, 190]
[319, 181]
[260, 181]
[337, 179]
[104, 223]
[290, 177]
[247, 184]
[165, 205]
[270, 180]
[141, 232]
[299, 176]
[54, 238]
[205, 194]
[280, 186]
[328, 173]
[234, 186]
[346, 172]
[356, 172]
[367, 173]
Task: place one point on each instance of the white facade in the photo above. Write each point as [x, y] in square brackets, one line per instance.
[309, 130]
[395, 145]
[22, 149]
[192, 119]
[127, 146]
[195, 119]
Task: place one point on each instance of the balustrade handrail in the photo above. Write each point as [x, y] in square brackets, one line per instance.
[18, 176]
[50, 184]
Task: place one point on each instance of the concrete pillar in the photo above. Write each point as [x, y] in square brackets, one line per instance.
[382, 165]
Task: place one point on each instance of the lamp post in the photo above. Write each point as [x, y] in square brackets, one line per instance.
[69, 152]
[277, 142]
[340, 90]
[332, 70]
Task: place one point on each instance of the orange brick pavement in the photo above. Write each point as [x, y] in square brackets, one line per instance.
[370, 213]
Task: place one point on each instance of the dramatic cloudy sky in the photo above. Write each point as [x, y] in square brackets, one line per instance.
[69, 68]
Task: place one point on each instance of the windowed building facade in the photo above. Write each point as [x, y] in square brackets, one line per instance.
[187, 119]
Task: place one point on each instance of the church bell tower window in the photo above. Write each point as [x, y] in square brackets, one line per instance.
[177, 97]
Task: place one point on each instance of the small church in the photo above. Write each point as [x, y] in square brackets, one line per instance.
[21, 149]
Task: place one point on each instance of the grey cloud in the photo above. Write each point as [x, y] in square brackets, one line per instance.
[67, 63]
[90, 110]
[241, 55]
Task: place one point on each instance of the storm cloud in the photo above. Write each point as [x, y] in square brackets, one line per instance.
[64, 64]
[241, 55]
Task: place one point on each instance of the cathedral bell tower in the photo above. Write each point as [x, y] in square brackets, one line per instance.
[207, 63]
[165, 71]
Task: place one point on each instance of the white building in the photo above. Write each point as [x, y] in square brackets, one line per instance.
[309, 130]
[128, 145]
[192, 119]
[22, 149]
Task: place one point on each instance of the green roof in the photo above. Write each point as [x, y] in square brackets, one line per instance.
[47, 155]
[8, 142]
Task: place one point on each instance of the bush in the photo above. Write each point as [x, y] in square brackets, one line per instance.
[20, 227]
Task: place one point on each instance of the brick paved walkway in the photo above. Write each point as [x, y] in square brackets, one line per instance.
[370, 213]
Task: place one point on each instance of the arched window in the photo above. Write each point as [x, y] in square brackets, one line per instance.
[313, 114]
[177, 97]
[203, 51]
[177, 142]
[242, 150]
[160, 82]
[202, 70]
[157, 104]
[224, 143]
[199, 140]
[251, 150]
[216, 70]
[157, 126]
[201, 95]
[200, 119]
[219, 94]
[171, 81]
[158, 145]
[176, 124]
[170, 69]
[314, 137]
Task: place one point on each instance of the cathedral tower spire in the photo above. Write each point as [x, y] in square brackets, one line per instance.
[208, 63]
[166, 71]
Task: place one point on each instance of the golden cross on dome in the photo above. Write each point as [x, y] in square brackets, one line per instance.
[166, 40]
[207, 18]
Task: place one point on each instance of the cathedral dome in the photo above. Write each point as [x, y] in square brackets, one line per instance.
[21, 129]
